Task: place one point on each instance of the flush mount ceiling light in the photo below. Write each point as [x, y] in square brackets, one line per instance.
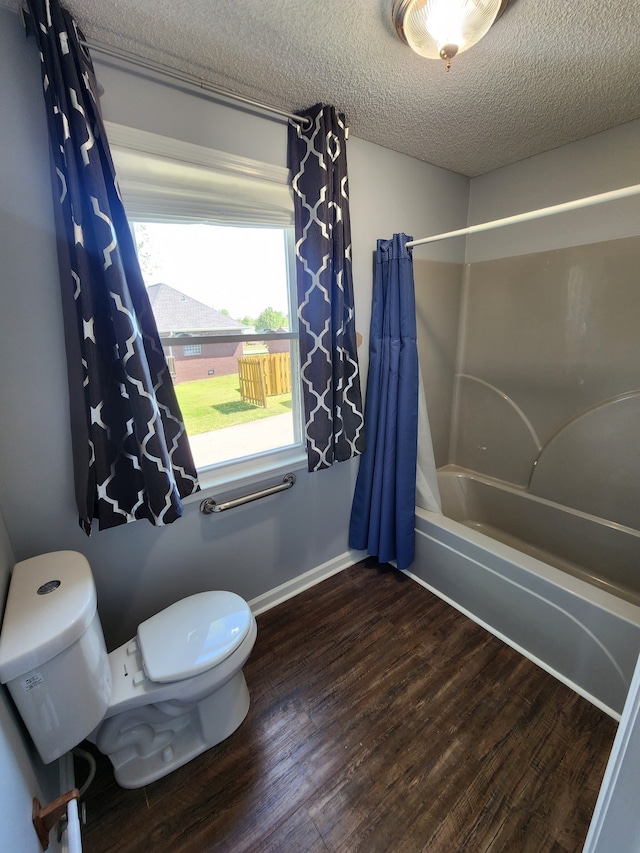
[440, 29]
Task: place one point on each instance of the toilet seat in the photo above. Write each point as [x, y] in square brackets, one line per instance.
[193, 635]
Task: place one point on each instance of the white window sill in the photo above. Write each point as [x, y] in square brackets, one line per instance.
[248, 475]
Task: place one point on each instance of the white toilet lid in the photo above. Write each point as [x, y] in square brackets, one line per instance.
[193, 635]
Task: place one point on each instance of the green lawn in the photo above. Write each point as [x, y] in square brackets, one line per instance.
[209, 404]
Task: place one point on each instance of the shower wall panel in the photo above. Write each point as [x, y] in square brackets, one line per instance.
[438, 288]
[547, 390]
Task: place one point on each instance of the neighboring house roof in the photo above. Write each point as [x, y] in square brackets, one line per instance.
[177, 313]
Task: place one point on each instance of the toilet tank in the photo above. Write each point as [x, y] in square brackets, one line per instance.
[53, 657]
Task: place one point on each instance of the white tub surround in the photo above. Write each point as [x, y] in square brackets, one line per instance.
[565, 617]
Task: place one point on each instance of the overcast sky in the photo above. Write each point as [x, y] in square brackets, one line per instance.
[241, 270]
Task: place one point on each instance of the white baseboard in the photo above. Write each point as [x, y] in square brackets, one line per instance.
[298, 584]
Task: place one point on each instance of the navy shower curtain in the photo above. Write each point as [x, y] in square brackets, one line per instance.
[130, 449]
[383, 511]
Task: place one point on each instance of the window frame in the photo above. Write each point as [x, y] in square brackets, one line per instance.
[273, 189]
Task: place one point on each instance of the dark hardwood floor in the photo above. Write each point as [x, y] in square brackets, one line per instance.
[382, 720]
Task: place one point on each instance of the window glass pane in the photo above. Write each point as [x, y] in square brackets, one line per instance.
[207, 281]
[238, 271]
[244, 412]
[192, 349]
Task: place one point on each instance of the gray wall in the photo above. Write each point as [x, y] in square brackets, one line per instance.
[22, 775]
[600, 163]
[253, 549]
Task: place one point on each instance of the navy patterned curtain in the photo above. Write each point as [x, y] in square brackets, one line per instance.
[383, 511]
[329, 360]
[131, 453]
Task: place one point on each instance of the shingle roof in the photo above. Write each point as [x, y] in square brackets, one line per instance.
[176, 312]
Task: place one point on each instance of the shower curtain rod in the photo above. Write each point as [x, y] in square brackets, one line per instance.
[182, 77]
[587, 201]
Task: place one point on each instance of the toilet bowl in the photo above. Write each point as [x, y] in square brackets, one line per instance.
[151, 705]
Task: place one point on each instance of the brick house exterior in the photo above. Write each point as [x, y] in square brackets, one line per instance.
[179, 316]
[213, 360]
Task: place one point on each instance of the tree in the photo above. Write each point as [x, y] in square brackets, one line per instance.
[270, 320]
[144, 245]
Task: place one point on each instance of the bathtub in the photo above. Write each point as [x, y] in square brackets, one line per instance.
[558, 585]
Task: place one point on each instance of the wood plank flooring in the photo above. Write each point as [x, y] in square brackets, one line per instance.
[382, 720]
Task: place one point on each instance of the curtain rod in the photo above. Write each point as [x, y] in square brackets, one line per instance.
[191, 80]
[587, 201]
[181, 76]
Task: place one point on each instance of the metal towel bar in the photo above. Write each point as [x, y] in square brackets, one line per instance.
[210, 505]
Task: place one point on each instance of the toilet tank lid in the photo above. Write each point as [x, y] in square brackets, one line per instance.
[51, 603]
[193, 635]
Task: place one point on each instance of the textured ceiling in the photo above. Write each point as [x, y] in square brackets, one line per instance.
[549, 72]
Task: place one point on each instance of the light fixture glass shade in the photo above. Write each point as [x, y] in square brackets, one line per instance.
[441, 28]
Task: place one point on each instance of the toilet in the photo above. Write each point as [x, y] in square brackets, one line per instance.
[173, 691]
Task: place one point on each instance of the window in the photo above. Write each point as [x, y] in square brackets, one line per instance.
[215, 241]
[192, 349]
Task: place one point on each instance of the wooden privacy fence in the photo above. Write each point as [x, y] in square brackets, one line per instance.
[263, 376]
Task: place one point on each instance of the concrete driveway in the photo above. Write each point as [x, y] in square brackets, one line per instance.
[221, 445]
